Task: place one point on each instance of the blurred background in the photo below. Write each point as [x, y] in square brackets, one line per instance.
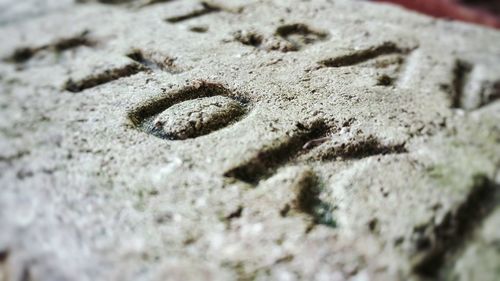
[485, 12]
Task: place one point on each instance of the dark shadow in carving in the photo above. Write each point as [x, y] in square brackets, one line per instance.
[490, 92]
[357, 57]
[206, 9]
[139, 3]
[103, 78]
[298, 35]
[358, 149]
[249, 37]
[308, 201]
[436, 242]
[232, 109]
[24, 54]
[461, 73]
[461, 95]
[153, 62]
[268, 159]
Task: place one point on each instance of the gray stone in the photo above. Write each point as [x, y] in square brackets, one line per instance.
[246, 140]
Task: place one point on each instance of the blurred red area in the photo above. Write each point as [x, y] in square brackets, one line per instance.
[485, 12]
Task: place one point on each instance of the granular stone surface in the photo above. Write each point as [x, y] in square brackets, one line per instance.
[246, 140]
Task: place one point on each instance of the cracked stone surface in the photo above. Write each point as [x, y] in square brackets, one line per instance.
[246, 140]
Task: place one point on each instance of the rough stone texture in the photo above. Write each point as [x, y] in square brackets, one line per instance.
[367, 147]
[197, 117]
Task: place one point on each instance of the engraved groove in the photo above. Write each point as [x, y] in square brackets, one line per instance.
[357, 148]
[302, 194]
[103, 78]
[358, 57]
[453, 232]
[206, 9]
[152, 2]
[298, 35]
[249, 38]
[24, 54]
[308, 200]
[129, 3]
[472, 86]
[489, 93]
[190, 112]
[154, 62]
[461, 74]
[268, 159]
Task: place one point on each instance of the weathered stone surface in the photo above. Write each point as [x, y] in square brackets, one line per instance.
[197, 117]
[331, 140]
